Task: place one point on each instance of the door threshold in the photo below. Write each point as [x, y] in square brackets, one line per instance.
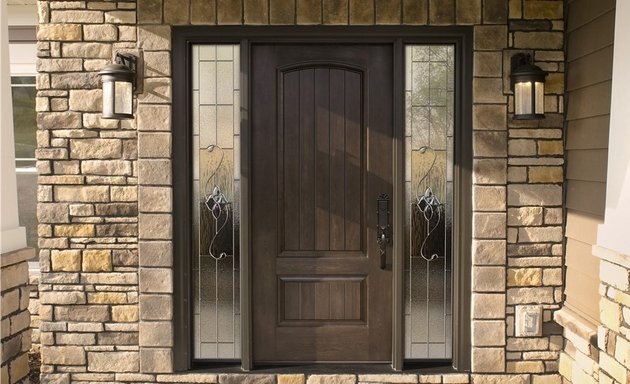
[427, 367]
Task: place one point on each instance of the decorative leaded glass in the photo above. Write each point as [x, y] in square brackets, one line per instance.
[216, 170]
[429, 98]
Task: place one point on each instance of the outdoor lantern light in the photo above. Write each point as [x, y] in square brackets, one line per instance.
[118, 86]
[528, 84]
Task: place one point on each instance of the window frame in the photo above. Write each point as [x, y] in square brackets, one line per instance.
[182, 40]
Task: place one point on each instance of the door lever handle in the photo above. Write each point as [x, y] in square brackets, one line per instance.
[383, 228]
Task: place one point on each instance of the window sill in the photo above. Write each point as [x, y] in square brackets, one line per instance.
[576, 325]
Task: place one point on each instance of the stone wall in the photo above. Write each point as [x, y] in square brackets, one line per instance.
[33, 308]
[16, 335]
[106, 250]
[600, 353]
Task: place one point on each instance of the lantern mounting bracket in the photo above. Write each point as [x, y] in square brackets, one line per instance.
[130, 61]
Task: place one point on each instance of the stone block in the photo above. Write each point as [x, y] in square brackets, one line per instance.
[62, 355]
[72, 16]
[155, 253]
[58, 120]
[84, 313]
[441, 12]
[67, 260]
[335, 12]
[530, 296]
[97, 260]
[52, 213]
[495, 11]
[124, 193]
[488, 333]
[291, 379]
[59, 65]
[538, 40]
[86, 100]
[154, 171]
[546, 174]
[543, 10]
[361, 12]
[155, 199]
[82, 194]
[388, 11]
[490, 37]
[610, 314]
[154, 117]
[156, 334]
[488, 64]
[113, 361]
[64, 167]
[154, 37]
[488, 306]
[540, 234]
[87, 50]
[331, 379]
[256, 12]
[156, 280]
[19, 368]
[129, 17]
[75, 339]
[59, 32]
[525, 216]
[95, 149]
[106, 32]
[488, 90]
[14, 275]
[125, 313]
[157, 64]
[489, 225]
[489, 198]
[488, 360]
[156, 307]
[155, 226]
[106, 167]
[489, 171]
[154, 145]
[308, 12]
[156, 90]
[524, 277]
[156, 360]
[488, 279]
[74, 230]
[229, 12]
[107, 298]
[150, 11]
[468, 12]
[536, 195]
[281, 12]
[522, 147]
[550, 147]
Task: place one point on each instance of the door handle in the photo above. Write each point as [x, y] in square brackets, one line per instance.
[383, 229]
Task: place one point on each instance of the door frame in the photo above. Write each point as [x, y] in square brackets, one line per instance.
[182, 40]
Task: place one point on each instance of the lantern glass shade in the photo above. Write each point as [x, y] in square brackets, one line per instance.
[117, 91]
[119, 97]
[528, 84]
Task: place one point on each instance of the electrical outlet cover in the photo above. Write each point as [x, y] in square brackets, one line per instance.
[528, 321]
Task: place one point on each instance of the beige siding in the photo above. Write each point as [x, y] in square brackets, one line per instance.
[590, 31]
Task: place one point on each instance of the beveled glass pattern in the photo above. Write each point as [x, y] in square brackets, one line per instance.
[216, 168]
[429, 98]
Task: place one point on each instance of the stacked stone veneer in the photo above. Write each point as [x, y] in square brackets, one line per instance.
[16, 335]
[600, 353]
[105, 196]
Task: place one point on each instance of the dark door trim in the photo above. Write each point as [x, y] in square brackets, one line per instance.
[184, 37]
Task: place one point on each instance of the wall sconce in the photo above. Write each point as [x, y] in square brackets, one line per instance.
[118, 85]
[528, 84]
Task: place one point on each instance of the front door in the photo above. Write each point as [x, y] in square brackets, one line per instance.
[321, 134]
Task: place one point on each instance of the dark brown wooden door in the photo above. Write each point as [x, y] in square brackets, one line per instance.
[321, 155]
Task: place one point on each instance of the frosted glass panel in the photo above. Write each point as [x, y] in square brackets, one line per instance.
[429, 100]
[216, 172]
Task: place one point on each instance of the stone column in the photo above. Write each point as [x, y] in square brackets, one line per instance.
[12, 236]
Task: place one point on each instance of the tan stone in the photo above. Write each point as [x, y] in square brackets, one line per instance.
[75, 230]
[489, 225]
[613, 367]
[83, 313]
[19, 368]
[156, 334]
[488, 90]
[59, 32]
[525, 216]
[155, 226]
[522, 147]
[535, 195]
[488, 64]
[388, 12]
[546, 174]
[543, 9]
[67, 260]
[62, 355]
[155, 253]
[156, 90]
[488, 360]
[488, 279]
[156, 280]
[107, 297]
[552, 276]
[82, 193]
[530, 296]
[86, 100]
[156, 307]
[126, 17]
[540, 234]
[113, 361]
[70, 16]
[158, 360]
[154, 117]
[489, 171]
[488, 333]
[125, 313]
[104, 32]
[154, 199]
[489, 252]
[291, 379]
[331, 379]
[538, 40]
[488, 306]
[154, 37]
[154, 171]
[59, 65]
[610, 314]
[152, 145]
[550, 147]
[52, 213]
[97, 260]
[524, 277]
[87, 50]
[124, 193]
[95, 148]
[106, 167]
[492, 117]
[157, 64]
[489, 198]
